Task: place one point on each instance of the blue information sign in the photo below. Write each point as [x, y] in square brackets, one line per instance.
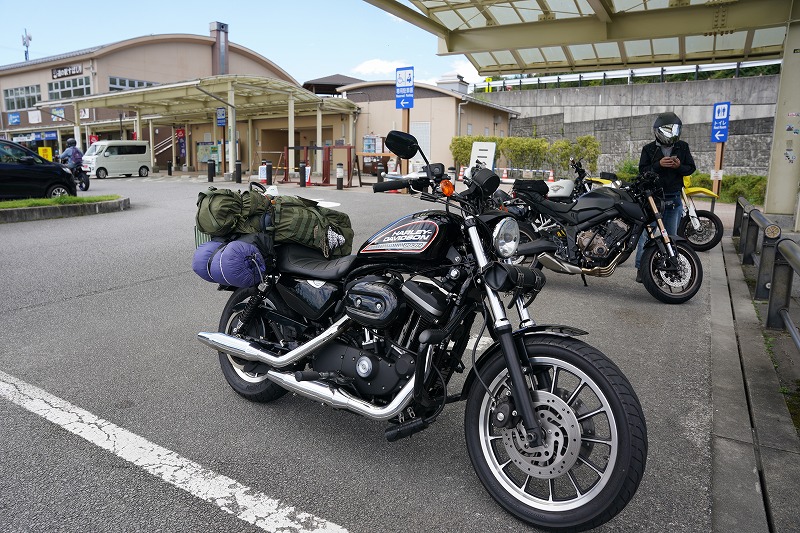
[404, 88]
[220, 116]
[719, 122]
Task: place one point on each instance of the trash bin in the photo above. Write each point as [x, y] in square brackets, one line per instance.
[339, 176]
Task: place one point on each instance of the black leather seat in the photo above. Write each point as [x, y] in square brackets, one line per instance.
[306, 262]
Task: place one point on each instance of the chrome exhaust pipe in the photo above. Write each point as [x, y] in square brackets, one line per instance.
[339, 399]
[244, 349]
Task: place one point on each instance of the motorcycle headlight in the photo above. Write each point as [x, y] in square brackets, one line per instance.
[505, 237]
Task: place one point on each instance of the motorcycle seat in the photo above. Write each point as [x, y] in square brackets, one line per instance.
[304, 261]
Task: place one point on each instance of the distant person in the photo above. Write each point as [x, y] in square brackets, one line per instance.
[670, 158]
[72, 156]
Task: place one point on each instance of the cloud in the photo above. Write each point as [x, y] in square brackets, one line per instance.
[464, 68]
[380, 68]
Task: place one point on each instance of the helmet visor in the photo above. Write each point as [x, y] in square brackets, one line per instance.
[668, 133]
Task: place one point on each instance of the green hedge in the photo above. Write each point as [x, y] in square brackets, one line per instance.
[532, 152]
[752, 187]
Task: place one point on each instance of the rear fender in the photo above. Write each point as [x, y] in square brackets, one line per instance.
[554, 330]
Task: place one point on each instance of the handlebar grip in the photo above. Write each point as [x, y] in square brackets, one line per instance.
[390, 185]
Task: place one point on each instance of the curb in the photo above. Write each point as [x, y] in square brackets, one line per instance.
[27, 214]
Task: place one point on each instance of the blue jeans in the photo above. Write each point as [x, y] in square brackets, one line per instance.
[673, 210]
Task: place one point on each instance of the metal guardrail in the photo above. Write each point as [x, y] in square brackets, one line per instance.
[778, 261]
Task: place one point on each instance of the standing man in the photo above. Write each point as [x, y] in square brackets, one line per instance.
[670, 158]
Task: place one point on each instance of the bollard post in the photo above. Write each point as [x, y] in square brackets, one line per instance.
[269, 172]
[772, 234]
[169, 167]
[210, 169]
[237, 173]
[302, 168]
[339, 176]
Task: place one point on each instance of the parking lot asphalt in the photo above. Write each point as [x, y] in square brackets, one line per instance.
[754, 446]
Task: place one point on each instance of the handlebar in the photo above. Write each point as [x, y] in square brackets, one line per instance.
[392, 185]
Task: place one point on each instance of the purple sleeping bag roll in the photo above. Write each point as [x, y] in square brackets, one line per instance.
[236, 264]
[202, 258]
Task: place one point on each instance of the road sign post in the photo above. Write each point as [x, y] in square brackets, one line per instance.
[404, 88]
[720, 119]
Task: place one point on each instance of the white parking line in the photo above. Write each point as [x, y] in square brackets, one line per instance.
[231, 496]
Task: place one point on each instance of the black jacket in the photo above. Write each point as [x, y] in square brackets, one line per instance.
[671, 178]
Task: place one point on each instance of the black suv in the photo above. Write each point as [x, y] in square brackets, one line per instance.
[24, 174]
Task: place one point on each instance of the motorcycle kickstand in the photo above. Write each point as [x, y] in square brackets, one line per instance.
[583, 277]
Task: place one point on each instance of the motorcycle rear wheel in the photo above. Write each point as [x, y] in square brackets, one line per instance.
[595, 447]
[84, 183]
[248, 383]
[709, 234]
[672, 287]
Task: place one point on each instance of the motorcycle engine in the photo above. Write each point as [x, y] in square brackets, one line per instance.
[600, 241]
[379, 359]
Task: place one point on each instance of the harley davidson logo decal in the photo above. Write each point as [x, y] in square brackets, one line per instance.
[413, 237]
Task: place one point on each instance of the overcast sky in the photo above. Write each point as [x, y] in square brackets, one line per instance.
[309, 39]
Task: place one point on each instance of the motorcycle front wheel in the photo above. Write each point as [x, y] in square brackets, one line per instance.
[709, 234]
[672, 286]
[595, 444]
[240, 374]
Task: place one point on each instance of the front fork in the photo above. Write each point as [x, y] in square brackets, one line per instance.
[668, 245]
[519, 383]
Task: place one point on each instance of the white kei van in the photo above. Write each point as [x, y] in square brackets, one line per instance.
[117, 158]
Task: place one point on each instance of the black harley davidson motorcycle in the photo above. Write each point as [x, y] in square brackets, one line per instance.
[601, 229]
[553, 428]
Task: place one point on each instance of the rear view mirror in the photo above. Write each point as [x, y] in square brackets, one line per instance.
[402, 144]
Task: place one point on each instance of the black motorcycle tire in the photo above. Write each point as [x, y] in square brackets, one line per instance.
[84, 183]
[710, 231]
[609, 445]
[250, 385]
[668, 287]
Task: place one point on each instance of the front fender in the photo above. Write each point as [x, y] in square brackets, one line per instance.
[555, 330]
[673, 238]
[700, 191]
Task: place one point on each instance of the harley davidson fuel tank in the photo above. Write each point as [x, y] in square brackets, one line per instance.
[424, 236]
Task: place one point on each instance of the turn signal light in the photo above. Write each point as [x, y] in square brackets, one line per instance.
[447, 187]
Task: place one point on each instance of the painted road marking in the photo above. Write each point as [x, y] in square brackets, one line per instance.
[229, 495]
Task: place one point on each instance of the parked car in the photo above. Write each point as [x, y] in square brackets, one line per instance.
[117, 158]
[24, 174]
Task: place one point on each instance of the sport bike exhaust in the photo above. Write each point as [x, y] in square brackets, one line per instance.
[247, 350]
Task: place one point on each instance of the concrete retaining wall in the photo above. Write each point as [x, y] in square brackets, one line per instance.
[621, 118]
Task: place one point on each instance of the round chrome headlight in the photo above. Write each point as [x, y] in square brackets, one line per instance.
[505, 237]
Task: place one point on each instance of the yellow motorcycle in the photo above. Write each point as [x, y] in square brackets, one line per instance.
[703, 229]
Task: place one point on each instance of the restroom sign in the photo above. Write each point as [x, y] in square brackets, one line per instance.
[719, 122]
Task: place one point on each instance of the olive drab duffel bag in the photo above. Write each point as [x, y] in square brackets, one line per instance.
[302, 221]
[227, 213]
[221, 212]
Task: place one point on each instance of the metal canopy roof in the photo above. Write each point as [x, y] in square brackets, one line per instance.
[542, 36]
[197, 100]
